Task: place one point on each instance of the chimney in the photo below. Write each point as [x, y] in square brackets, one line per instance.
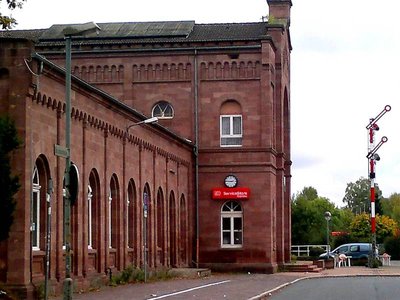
[279, 10]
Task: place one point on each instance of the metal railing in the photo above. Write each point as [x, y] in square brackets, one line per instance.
[304, 250]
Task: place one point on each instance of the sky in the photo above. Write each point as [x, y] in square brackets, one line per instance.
[345, 67]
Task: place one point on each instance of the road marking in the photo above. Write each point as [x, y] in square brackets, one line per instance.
[269, 293]
[189, 290]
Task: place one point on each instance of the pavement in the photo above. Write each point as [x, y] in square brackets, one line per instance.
[227, 286]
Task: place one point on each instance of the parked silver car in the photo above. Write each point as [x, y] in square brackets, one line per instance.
[355, 250]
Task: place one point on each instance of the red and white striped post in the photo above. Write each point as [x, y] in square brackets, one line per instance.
[373, 157]
[372, 180]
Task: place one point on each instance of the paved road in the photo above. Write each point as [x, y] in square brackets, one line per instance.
[384, 280]
[220, 286]
[342, 288]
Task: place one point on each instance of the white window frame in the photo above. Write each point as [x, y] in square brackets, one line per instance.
[231, 135]
[64, 191]
[90, 216]
[128, 202]
[231, 215]
[160, 105]
[110, 199]
[35, 226]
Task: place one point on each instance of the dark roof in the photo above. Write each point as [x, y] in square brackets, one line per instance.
[228, 31]
[31, 34]
[127, 29]
[150, 32]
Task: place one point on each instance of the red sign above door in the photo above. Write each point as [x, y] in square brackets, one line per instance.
[242, 193]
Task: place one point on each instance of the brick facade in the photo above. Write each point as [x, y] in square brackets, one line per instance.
[177, 162]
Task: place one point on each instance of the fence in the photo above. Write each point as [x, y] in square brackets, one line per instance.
[304, 250]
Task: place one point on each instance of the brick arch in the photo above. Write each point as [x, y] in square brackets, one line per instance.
[43, 99]
[40, 180]
[49, 102]
[230, 107]
[133, 237]
[114, 218]
[59, 106]
[94, 220]
[74, 112]
[55, 104]
[37, 97]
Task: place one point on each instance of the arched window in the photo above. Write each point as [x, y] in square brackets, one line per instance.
[231, 225]
[36, 210]
[163, 110]
[93, 214]
[131, 215]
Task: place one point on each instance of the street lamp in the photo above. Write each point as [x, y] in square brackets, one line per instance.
[327, 216]
[145, 202]
[147, 121]
[69, 33]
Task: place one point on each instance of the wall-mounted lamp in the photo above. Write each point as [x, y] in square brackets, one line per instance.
[147, 121]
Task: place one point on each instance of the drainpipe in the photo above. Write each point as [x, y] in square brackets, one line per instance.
[196, 153]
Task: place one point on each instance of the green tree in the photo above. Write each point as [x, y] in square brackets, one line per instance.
[7, 21]
[308, 221]
[308, 193]
[357, 196]
[361, 227]
[391, 207]
[9, 184]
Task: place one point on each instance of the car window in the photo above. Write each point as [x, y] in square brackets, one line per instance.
[343, 249]
[354, 248]
[365, 247]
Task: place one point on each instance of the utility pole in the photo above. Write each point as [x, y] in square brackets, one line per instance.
[372, 157]
[70, 185]
[48, 238]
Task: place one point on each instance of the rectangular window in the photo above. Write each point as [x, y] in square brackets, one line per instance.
[237, 231]
[90, 224]
[64, 208]
[110, 229]
[232, 232]
[231, 130]
[128, 223]
[36, 219]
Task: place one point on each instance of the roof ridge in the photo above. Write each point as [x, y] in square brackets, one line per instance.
[232, 23]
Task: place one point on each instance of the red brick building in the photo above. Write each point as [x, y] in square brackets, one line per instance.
[215, 169]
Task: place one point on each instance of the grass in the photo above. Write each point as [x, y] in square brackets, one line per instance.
[131, 275]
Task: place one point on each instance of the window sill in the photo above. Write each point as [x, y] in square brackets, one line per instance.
[232, 247]
[38, 252]
[92, 251]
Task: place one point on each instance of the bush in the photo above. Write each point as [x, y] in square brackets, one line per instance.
[132, 274]
[342, 239]
[316, 251]
[129, 274]
[392, 246]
